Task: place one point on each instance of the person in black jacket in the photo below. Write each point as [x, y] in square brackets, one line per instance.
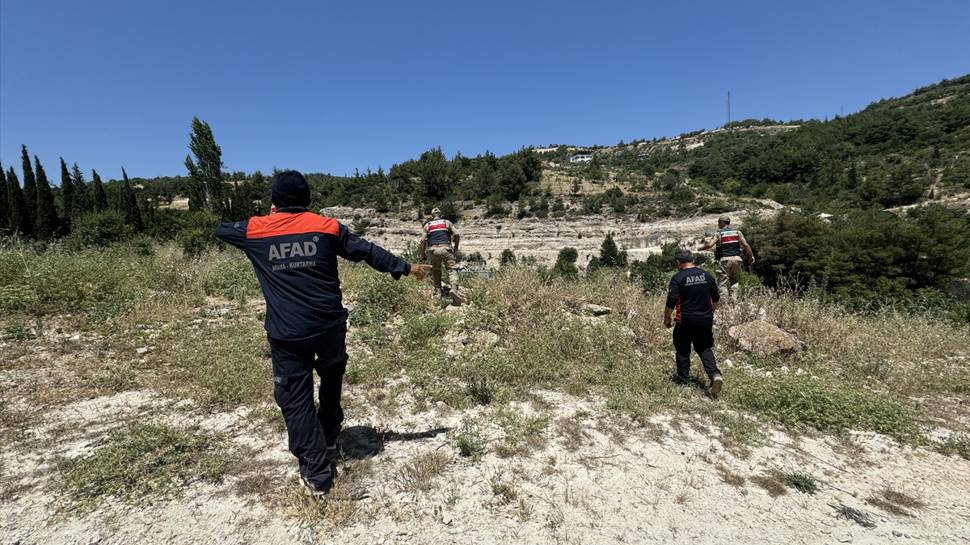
[692, 298]
[294, 253]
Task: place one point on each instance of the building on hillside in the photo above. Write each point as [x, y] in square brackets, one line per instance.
[581, 158]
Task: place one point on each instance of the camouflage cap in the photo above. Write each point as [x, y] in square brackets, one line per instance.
[724, 219]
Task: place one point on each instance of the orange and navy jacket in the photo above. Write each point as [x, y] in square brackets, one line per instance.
[692, 294]
[294, 253]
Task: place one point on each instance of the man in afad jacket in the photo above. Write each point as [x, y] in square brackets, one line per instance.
[294, 253]
[691, 301]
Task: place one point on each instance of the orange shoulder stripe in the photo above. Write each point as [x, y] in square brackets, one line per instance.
[283, 223]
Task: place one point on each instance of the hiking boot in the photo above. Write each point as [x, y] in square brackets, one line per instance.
[716, 383]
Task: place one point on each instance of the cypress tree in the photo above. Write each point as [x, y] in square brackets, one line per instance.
[99, 199]
[46, 222]
[206, 191]
[19, 220]
[67, 196]
[29, 191]
[82, 201]
[4, 209]
[129, 204]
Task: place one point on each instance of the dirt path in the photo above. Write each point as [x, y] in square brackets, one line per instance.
[584, 478]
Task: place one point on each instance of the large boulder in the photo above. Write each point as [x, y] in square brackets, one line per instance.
[761, 338]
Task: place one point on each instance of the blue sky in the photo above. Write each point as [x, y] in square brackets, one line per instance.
[329, 87]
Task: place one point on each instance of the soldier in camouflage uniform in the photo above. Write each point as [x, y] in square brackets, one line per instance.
[441, 241]
[729, 244]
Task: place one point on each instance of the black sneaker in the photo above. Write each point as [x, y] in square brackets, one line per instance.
[315, 490]
[716, 383]
[677, 379]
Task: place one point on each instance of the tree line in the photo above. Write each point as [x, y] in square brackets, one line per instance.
[36, 210]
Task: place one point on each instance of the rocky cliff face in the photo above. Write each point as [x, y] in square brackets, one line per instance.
[541, 238]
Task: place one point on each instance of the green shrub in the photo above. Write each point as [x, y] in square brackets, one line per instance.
[100, 229]
[196, 241]
[803, 482]
[470, 442]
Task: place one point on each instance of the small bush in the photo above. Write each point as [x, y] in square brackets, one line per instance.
[470, 442]
[196, 241]
[100, 229]
[802, 482]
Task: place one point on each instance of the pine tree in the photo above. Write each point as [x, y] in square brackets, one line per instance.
[4, 209]
[129, 204]
[206, 191]
[82, 201]
[46, 220]
[29, 191]
[19, 220]
[99, 199]
[67, 196]
[609, 253]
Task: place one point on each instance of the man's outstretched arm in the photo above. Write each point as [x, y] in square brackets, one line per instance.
[233, 232]
[355, 248]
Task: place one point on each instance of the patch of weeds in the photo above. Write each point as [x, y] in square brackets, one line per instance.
[270, 415]
[896, 502]
[422, 329]
[338, 509]
[504, 492]
[823, 404]
[145, 461]
[803, 482]
[18, 332]
[730, 477]
[230, 278]
[470, 442]
[573, 432]
[479, 390]
[739, 434]
[417, 474]
[773, 483]
[221, 364]
[956, 444]
[376, 297]
[13, 422]
[524, 434]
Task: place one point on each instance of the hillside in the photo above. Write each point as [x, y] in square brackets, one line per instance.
[136, 407]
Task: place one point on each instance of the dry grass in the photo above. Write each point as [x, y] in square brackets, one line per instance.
[730, 477]
[341, 507]
[418, 474]
[896, 502]
[772, 482]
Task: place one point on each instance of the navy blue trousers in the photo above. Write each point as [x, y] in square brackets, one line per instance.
[311, 426]
[701, 336]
